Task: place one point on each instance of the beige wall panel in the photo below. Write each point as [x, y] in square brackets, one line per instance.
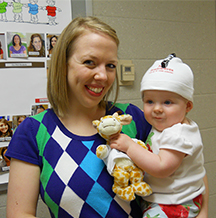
[211, 172]
[3, 200]
[204, 111]
[150, 10]
[153, 39]
[212, 208]
[209, 142]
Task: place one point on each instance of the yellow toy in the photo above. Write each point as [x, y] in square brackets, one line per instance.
[128, 178]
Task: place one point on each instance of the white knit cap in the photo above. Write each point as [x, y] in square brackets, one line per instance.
[176, 77]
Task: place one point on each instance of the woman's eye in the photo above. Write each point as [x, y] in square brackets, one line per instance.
[112, 66]
[89, 63]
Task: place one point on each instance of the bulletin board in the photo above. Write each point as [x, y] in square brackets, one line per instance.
[23, 76]
[27, 28]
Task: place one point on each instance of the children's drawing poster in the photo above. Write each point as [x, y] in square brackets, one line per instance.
[35, 15]
[29, 31]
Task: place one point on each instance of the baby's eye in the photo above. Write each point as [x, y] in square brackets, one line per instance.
[149, 102]
[167, 102]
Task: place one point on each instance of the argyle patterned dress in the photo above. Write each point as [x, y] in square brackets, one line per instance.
[73, 181]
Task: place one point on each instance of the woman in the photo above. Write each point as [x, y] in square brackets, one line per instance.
[36, 46]
[5, 128]
[53, 41]
[53, 153]
[17, 49]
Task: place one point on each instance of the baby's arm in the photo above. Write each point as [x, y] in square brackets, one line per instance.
[160, 165]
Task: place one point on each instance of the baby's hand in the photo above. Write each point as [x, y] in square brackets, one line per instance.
[121, 142]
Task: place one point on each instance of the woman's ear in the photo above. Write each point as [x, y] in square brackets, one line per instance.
[189, 106]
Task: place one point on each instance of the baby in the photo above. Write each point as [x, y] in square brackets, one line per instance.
[175, 167]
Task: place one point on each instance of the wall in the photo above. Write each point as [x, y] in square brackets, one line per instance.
[150, 30]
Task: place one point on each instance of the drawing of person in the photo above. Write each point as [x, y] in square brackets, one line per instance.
[51, 12]
[17, 49]
[3, 10]
[33, 10]
[17, 10]
[36, 46]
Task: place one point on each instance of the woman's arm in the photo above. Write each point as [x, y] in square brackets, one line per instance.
[23, 189]
[204, 210]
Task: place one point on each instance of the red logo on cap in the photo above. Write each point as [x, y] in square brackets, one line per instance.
[162, 70]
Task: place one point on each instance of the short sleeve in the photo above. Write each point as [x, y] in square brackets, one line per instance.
[179, 137]
[23, 145]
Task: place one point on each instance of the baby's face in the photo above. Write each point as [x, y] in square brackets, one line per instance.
[163, 109]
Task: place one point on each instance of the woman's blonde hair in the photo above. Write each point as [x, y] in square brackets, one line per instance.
[57, 90]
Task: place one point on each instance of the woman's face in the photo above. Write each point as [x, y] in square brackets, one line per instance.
[3, 127]
[91, 69]
[37, 43]
[53, 41]
[16, 40]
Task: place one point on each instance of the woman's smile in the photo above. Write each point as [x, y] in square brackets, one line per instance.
[94, 90]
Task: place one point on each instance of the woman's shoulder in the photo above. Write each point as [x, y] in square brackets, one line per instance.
[123, 107]
[35, 121]
[139, 126]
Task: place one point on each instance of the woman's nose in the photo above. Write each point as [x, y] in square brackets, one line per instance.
[101, 73]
